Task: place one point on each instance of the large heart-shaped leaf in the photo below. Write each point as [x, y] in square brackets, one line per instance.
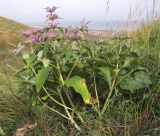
[42, 77]
[136, 81]
[79, 85]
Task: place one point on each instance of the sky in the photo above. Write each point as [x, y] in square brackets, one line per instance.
[28, 11]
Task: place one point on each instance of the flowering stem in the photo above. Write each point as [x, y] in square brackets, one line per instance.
[72, 68]
[68, 97]
[95, 88]
[63, 84]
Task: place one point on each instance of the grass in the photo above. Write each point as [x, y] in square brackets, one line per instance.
[124, 117]
[12, 114]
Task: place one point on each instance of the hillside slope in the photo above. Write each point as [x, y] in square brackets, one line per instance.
[10, 32]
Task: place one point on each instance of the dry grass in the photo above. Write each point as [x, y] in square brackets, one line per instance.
[10, 33]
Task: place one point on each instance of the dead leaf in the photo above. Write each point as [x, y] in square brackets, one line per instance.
[24, 129]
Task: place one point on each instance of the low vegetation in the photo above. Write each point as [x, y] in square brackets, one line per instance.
[72, 85]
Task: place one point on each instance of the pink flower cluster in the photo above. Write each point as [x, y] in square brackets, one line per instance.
[52, 36]
[37, 30]
[15, 51]
[31, 32]
[52, 16]
[35, 34]
[51, 9]
[53, 24]
[73, 35]
[37, 38]
[50, 33]
[27, 33]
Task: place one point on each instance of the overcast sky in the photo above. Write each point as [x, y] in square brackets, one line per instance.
[33, 10]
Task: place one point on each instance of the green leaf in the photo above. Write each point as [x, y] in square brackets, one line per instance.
[131, 62]
[136, 81]
[137, 52]
[80, 87]
[25, 56]
[30, 60]
[34, 100]
[46, 62]
[1, 131]
[30, 82]
[104, 71]
[45, 97]
[20, 48]
[68, 52]
[134, 63]
[42, 77]
[40, 55]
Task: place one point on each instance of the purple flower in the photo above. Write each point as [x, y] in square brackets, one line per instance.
[15, 51]
[27, 33]
[52, 16]
[36, 38]
[37, 30]
[73, 35]
[51, 9]
[77, 36]
[51, 36]
[40, 39]
[69, 35]
[52, 24]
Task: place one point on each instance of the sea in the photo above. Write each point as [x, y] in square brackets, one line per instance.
[96, 25]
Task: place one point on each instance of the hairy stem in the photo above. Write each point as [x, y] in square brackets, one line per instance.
[68, 97]
[69, 115]
[51, 96]
[109, 95]
[52, 109]
[95, 88]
